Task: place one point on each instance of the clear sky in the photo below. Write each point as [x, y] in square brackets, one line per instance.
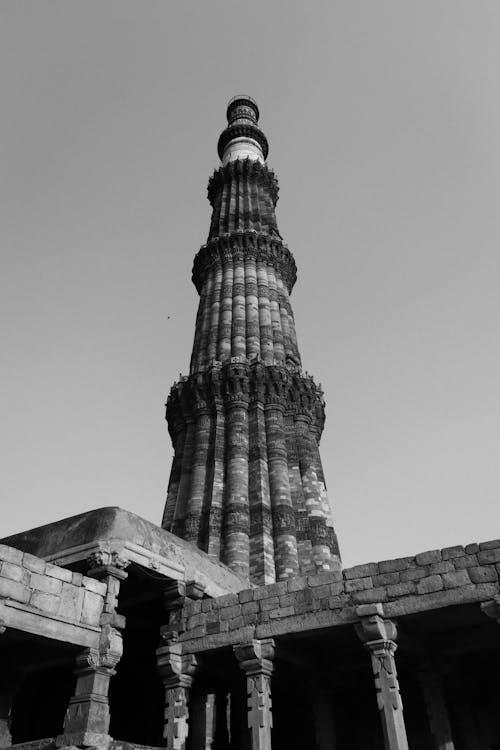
[384, 126]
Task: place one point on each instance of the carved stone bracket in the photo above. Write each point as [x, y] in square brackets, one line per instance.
[255, 659]
[109, 567]
[492, 608]
[378, 635]
[176, 671]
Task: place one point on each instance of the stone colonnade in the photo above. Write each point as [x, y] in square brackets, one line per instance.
[255, 658]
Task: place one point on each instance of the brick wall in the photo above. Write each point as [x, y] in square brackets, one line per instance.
[405, 585]
[53, 591]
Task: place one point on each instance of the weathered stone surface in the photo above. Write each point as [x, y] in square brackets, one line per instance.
[384, 579]
[482, 574]
[14, 590]
[359, 584]
[397, 590]
[47, 602]
[429, 584]
[46, 583]
[487, 556]
[370, 596]
[426, 558]
[458, 578]
[400, 563]
[10, 554]
[362, 571]
[493, 544]
[449, 553]
[446, 566]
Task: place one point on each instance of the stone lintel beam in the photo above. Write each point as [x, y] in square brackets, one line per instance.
[176, 671]
[256, 660]
[378, 635]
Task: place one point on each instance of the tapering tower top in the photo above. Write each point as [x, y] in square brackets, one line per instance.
[242, 138]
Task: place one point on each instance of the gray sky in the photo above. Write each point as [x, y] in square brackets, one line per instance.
[384, 126]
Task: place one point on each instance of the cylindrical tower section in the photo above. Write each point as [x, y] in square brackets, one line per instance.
[265, 323]
[226, 311]
[238, 333]
[278, 345]
[236, 508]
[251, 309]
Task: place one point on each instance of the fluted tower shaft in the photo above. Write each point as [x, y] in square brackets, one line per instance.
[246, 483]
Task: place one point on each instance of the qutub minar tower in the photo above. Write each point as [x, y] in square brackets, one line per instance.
[246, 484]
[240, 630]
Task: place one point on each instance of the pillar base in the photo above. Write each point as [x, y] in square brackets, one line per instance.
[83, 739]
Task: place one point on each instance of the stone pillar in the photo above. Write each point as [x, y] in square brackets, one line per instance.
[10, 682]
[87, 719]
[324, 727]
[176, 671]
[203, 722]
[255, 659]
[432, 689]
[379, 636]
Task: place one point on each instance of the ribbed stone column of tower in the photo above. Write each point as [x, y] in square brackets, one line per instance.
[247, 484]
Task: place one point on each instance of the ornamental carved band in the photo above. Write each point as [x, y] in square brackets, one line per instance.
[246, 483]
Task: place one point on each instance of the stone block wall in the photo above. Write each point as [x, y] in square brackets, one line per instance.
[429, 580]
[54, 591]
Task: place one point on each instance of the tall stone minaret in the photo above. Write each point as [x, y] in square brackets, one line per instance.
[247, 484]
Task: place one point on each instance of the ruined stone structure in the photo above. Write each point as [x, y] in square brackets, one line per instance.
[233, 626]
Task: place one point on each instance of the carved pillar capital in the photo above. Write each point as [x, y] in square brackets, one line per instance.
[175, 668]
[104, 563]
[256, 656]
[374, 628]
